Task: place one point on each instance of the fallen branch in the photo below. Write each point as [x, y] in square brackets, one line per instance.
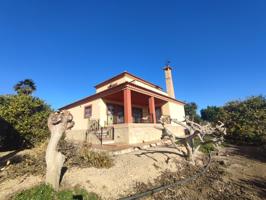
[193, 130]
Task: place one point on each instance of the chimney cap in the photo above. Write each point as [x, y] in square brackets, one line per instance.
[167, 66]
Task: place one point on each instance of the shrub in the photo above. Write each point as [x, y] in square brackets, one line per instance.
[205, 148]
[46, 192]
[191, 111]
[23, 120]
[211, 114]
[245, 120]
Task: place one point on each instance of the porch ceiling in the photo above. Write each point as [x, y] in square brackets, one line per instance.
[136, 98]
[115, 97]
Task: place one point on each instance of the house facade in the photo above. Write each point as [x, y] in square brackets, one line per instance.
[128, 106]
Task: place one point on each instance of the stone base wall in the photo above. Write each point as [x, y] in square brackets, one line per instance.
[132, 133]
[79, 136]
[135, 133]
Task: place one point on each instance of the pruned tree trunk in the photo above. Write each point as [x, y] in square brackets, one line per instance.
[194, 130]
[58, 123]
[189, 155]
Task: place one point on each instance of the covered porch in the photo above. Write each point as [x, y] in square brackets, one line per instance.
[129, 106]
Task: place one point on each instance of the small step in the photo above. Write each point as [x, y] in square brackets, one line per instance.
[108, 141]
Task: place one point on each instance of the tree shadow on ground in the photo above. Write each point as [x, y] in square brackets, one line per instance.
[77, 197]
[7, 157]
[257, 184]
[148, 154]
[63, 171]
[10, 138]
[251, 152]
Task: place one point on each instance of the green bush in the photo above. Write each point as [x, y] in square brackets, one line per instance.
[46, 192]
[23, 120]
[211, 114]
[245, 120]
[205, 148]
[191, 111]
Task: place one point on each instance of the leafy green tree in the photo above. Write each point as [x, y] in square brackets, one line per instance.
[23, 118]
[26, 87]
[191, 111]
[212, 113]
[246, 120]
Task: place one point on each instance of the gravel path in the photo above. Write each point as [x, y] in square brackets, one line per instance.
[118, 181]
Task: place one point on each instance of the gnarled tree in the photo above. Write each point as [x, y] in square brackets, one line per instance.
[58, 123]
[193, 130]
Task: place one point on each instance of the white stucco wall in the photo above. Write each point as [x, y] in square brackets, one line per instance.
[174, 110]
[98, 112]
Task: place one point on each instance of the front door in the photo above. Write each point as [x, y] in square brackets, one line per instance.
[120, 114]
[110, 114]
[115, 114]
[137, 115]
[158, 113]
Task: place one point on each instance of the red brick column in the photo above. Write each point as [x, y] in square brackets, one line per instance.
[127, 106]
[152, 109]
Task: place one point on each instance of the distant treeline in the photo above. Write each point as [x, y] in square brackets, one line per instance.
[245, 120]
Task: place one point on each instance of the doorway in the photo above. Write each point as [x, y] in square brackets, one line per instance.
[137, 115]
[158, 113]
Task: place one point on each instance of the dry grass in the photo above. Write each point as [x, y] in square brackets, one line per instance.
[84, 157]
[32, 162]
[28, 162]
[209, 186]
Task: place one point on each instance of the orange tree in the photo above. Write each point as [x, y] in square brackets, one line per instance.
[245, 120]
[23, 120]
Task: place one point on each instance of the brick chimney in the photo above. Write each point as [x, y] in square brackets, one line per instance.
[169, 81]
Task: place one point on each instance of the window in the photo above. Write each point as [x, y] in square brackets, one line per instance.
[87, 112]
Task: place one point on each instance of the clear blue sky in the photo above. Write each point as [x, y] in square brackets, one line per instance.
[217, 48]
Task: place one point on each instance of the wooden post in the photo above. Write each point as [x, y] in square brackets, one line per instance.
[101, 136]
[127, 106]
[152, 109]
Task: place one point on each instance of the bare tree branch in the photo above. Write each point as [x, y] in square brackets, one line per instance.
[193, 130]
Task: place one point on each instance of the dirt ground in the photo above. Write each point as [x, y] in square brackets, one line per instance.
[129, 169]
[236, 173]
